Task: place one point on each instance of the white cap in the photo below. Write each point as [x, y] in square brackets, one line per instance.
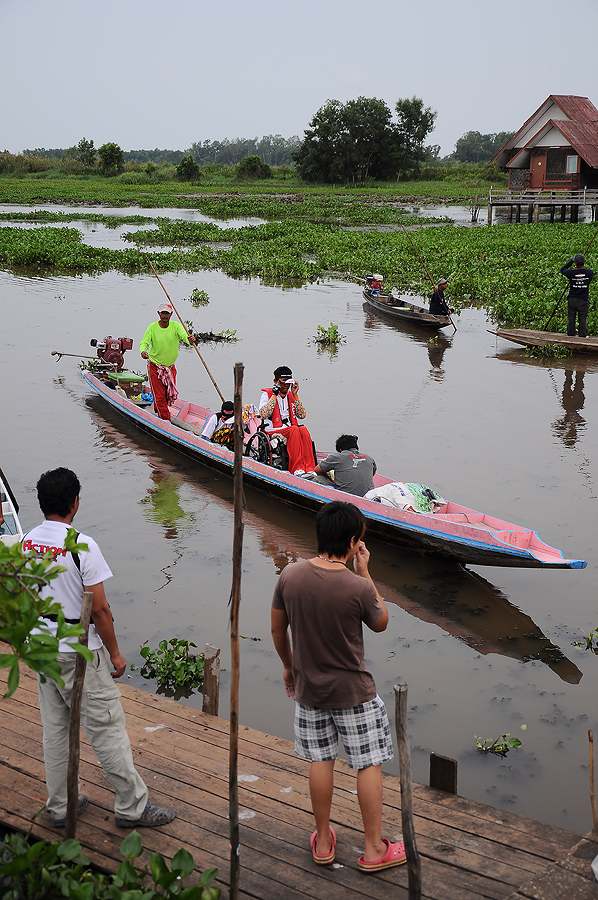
[166, 307]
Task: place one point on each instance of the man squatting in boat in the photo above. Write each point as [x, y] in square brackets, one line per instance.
[352, 471]
[280, 408]
[160, 345]
[579, 278]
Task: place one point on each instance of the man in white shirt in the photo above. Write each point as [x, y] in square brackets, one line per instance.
[101, 710]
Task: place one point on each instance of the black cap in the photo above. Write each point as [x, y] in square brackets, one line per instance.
[228, 406]
[282, 372]
[579, 259]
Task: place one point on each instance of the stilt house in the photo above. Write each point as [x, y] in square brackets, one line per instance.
[555, 149]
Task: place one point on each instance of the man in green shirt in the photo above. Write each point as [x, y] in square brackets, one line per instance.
[160, 345]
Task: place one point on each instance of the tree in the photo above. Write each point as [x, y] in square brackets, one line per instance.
[253, 167]
[476, 147]
[187, 169]
[111, 159]
[85, 153]
[414, 123]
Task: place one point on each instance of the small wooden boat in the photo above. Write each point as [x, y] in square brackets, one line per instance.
[10, 527]
[528, 338]
[453, 531]
[408, 312]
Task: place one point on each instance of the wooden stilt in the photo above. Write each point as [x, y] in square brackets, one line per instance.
[536, 215]
[518, 216]
[490, 212]
[563, 213]
[574, 213]
[530, 212]
[510, 212]
[211, 681]
[552, 213]
[413, 860]
[235, 600]
[72, 778]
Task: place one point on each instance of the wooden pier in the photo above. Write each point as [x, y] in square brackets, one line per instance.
[527, 204]
[468, 850]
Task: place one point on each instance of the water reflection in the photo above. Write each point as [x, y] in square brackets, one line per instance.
[573, 399]
[459, 602]
[437, 347]
[436, 344]
[163, 504]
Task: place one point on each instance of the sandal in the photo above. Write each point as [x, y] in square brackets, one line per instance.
[323, 860]
[394, 856]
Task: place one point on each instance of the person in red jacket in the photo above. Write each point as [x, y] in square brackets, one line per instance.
[280, 407]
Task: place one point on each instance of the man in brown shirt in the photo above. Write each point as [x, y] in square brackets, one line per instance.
[325, 605]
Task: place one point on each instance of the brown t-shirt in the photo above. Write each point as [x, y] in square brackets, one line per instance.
[326, 608]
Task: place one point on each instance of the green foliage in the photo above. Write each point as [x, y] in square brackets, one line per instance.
[198, 298]
[22, 578]
[500, 746]
[187, 169]
[44, 871]
[590, 641]
[414, 123]
[85, 153]
[328, 335]
[229, 335]
[111, 159]
[175, 669]
[252, 167]
[475, 147]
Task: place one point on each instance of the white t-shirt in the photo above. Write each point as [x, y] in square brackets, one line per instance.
[211, 424]
[283, 406]
[67, 587]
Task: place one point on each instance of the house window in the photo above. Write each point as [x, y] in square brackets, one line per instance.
[571, 167]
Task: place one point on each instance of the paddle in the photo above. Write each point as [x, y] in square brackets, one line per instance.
[427, 271]
[562, 297]
[212, 379]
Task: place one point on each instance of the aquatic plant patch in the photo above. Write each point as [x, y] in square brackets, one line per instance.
[590, 642]
[500, 746]
[328, 335]
[174, 667]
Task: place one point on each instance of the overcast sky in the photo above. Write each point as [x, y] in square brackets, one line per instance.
[149, 73]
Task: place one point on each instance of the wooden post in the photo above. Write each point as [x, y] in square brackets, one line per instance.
[443, 773]
[564, 212]
[592, 783]
[536, 212]
[552, 210]
[518, 214]
[211, 681]
[490, 210]
[413, 860]
[72, 778]
[235, 599]
[510, 212]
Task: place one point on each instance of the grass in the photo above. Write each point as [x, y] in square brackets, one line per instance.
[511, 270]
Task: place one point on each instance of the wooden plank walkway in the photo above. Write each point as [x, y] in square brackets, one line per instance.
[469, 850]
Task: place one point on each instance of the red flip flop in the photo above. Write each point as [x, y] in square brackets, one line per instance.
[394, 856]
[322, 860]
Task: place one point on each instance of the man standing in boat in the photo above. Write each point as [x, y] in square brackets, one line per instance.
[160, 345]
[438, 304]
[280, 407]
[579, 278]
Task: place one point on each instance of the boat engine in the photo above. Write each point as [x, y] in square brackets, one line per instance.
[112, 350]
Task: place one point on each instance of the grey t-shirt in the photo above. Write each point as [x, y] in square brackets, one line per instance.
[353, 471]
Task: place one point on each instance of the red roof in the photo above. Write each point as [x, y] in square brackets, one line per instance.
[580, 128]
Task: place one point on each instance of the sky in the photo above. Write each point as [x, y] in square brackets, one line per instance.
[147, 73]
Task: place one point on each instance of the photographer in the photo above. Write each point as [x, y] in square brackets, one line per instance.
[280, 407]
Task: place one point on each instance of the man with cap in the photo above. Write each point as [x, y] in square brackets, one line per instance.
[160, 345]
[438, 304]
[280, 408]
[579, 278]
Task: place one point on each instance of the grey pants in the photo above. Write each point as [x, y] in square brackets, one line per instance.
[103, 718]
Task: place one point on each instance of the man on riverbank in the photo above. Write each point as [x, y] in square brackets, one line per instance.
[281, 408]
[325, 606]
[579, 278]
[160, 345]
[101, 710]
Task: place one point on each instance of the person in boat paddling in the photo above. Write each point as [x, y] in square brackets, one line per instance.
[280, 408]
[579, 278]
[438, 304]
[160, 345]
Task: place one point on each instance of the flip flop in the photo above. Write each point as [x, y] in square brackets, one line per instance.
[394, 856]
[322, 860]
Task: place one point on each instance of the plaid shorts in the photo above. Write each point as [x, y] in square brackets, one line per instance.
[363, 729]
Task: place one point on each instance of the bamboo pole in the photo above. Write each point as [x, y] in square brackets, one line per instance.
[235, 600]
[195, 347]
[72, 778]
[413, 860]
[592, 782]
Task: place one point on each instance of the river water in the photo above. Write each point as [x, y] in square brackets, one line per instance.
[484, 650]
